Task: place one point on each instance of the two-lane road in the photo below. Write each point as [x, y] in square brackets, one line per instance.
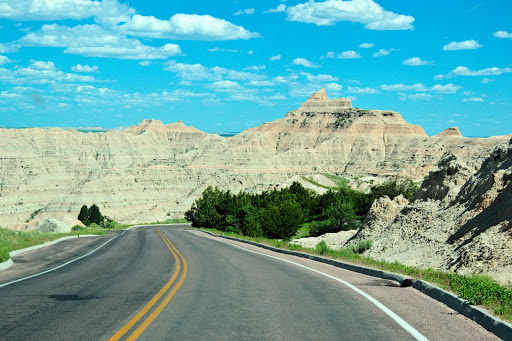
[166, 283]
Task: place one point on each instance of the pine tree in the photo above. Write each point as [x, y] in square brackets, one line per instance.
[95, 215]
[83, 216]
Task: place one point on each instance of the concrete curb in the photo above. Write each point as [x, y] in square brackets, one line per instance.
[493, 324]
[8, 263]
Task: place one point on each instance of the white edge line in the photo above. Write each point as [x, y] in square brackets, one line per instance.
[401, 322]
[62, 265]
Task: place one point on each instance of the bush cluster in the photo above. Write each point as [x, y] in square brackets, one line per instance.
[280, 213]
[92, 216]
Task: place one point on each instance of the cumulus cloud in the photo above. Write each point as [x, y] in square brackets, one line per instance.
[84, 68]
[304, 62]
[366, 91]
[95, 41]
[473, 99]
[319, 78]
[486, 80]
[333, 87]
[464, 71]
[278, 9]
[41, 72]
[185, 27]
[277, 57]
[199, 72]
[245, 11]
[502, 35]
[416, 61]
[218, 49]
[366, 12]
[4, 60]
[382, 52]
[462, 45]
[415, 97]
[43, 10]
[366, 45]
[344, 55]
[145, 63]
[448, 88]
[9, 47]
[260, 83]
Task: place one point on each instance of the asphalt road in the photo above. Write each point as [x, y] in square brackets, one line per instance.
[166, 283]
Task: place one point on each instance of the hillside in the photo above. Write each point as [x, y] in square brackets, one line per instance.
[460, 219]
[153, 171]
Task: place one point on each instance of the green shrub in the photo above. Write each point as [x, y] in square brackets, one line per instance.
[361, 247]
[322, 248]
[78, 228]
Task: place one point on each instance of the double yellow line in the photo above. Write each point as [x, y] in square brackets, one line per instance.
[179, 261]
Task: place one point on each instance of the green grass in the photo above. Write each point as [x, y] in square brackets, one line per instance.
[478, 289]
[317, 184]
[11, 240]
[340, 182]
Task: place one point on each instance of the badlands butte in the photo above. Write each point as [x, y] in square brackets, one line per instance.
[153, 172]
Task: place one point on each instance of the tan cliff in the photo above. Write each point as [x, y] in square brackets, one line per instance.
[153, 171]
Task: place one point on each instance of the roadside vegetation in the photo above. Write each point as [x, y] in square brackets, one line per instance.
[282, 213]
[275, 217]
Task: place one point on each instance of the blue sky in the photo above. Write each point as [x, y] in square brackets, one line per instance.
[225, 66]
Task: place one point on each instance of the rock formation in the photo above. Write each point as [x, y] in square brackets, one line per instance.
[460, 220]
[153, 171]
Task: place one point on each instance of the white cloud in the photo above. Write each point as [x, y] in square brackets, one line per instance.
[245, 11]
[486, 80]
[462, 45]
[41, 72]
[84, 68]
[94, 41]
[185, 27]
[403, 87]
[304, 62]
[349, 55]
[279, 8]
[218, 49]
[366, 46]
[7, 94]
[250, 52]
[416, 61]
[502, 35]
[366, 91]
[9, 47]
[226, 84]
[333, 87]
[260, 83]
[382, 52]
[451, 121]
[473, 99]
[344, 55]
[464, 71]
[145, 63]
[277, 57]
[255, 68]
[44, 10]
[446, 89]
[366, 12]
[4, 60]
[198, 72]
[416, 97]
[468, 93]
[319, 78]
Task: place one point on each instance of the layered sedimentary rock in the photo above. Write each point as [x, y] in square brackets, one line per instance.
[152, 171]
[460, 219]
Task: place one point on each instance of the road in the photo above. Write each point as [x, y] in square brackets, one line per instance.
[167, 283]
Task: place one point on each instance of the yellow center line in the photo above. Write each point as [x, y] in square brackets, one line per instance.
[162, 305]
[157, 297]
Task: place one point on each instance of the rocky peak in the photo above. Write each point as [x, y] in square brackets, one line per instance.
[454, 131]
[319, 102]
[148, 125]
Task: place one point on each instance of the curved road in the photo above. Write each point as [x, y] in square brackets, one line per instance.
[167, 283]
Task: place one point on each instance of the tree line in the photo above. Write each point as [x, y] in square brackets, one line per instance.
[279, 213]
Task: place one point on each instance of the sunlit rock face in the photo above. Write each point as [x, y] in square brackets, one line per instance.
[153, 171]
